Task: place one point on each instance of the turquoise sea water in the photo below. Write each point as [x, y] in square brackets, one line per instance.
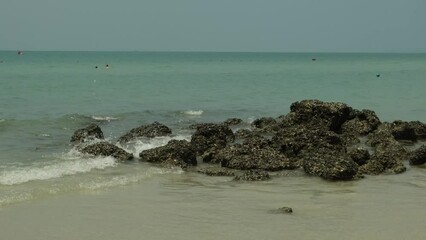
[46, 96]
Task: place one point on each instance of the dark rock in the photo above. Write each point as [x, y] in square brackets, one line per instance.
[363, 123]
[217, 171]
[232, 121]
[315, 112]
[211, 136]
[419, 129]
[388, 157]
[175, 153]
[244, 133]
[285, 210]
[91, 132]
[257, 141]
[330, 165]
[265, 124]
[245, 157]
[403, 131]
[253, 175]
[359, 155]
[107, 149]
[418, 156]
[155, 129]
[381, 135]
[302, 139]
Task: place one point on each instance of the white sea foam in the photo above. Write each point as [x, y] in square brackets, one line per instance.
[69, 165]
[194, 112]
[123, 180]
[104, 118]
[149, 143]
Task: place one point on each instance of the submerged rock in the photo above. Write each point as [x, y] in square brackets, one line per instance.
[253, 175]
[88, 133]
[107, 149]
[217, 171]
[155, 129]
[285, 210]
[175, 153]
[418, 157]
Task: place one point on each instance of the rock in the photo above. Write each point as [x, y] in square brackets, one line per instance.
[107, 149]
[388, 157]
[298, 140]
[246, 157]
[330, 165]
[253, 175]
[359, 155]
[381, 135]
[365, 122]
[217, 171]
[265, 124]
[232, 122]
[211, 136]
[175, 153]
[88, 133]
[285, 210]
[155, 129]
[245, 133]
[418, 156]
[403, 131]
[419, 129]
[315, 112]
[250, 142]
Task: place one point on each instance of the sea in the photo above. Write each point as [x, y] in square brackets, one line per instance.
[48, 190]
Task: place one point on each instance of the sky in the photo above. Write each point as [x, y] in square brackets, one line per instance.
[214, 25]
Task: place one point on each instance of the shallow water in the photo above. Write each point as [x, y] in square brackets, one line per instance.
[182, 205]
[58, 193]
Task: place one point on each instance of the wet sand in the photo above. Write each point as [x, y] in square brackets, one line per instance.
[193, 206]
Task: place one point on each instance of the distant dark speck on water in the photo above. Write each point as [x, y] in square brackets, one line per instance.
[378, 75]
[314, 59]
[96, 66]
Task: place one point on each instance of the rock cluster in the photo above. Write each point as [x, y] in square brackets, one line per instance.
[326, 139]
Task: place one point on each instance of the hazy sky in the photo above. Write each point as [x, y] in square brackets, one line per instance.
[214, 25]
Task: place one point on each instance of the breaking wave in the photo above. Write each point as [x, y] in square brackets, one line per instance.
[70, 164]
[194, 112]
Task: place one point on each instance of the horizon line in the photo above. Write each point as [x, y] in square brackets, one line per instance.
[210, 51]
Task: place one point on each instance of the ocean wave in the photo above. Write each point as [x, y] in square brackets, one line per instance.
[70, 165]
[147, 172]
[104, 118]
[193, 112]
